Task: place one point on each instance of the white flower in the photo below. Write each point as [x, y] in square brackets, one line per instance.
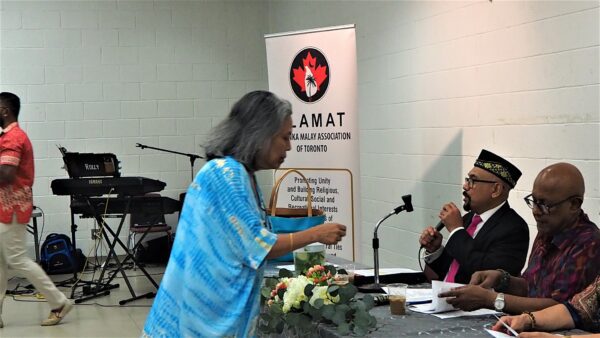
[295, 293]
[320, 292]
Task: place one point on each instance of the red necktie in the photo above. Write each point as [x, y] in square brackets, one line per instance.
[454, 266]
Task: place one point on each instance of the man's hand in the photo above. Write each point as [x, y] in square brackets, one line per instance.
[486, 279]
[451, 217]
[469, 297]
[430, 239]
[330, 233]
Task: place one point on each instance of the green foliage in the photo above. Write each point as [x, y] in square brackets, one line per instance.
[342, 309]
[305, 260]
[369, 302]
[333, 290]
[308, 290]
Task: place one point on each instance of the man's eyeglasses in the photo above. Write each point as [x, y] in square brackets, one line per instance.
[545, 208]
[470, 181]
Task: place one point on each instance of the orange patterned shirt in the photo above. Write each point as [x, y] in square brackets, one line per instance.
[16, 197]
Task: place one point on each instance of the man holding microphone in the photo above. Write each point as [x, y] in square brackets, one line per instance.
[490, 236]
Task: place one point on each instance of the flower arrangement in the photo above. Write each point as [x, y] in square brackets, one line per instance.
[301, 303]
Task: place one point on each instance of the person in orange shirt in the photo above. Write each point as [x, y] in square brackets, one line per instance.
[16, 206]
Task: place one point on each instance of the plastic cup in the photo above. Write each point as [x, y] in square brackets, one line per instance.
[397, 295]
[341, 279]
[308, 256]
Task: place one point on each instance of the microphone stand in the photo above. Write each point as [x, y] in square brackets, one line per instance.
[376, 287]
[193, 157]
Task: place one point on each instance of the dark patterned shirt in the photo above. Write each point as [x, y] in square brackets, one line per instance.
[585, 308]
[562, 265]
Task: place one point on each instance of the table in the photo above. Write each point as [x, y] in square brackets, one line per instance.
[413, 324]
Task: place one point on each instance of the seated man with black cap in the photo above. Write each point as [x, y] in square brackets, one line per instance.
[490, 236]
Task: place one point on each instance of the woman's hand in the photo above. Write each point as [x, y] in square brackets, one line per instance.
[518, 323]
[330, 233]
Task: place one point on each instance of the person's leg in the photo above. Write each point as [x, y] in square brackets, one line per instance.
[17, 259]
[3, 270]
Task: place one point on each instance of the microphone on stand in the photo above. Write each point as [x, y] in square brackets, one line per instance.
[376, 287]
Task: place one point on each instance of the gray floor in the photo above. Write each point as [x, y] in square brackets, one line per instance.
[99, 317]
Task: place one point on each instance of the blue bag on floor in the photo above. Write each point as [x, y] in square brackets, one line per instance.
[57, 255]
[290, 220]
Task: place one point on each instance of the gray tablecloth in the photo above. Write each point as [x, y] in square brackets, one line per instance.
[412, 324]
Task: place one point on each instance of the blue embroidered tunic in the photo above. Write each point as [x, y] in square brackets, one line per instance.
[211, 286]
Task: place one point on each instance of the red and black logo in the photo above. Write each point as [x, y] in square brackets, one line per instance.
[309, 75]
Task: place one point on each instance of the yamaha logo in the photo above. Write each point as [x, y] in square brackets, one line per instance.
[309, 75]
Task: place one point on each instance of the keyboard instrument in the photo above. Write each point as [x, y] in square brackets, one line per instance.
[97, 186]
[117, 205]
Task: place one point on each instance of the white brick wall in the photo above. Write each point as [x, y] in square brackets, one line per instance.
[438, 81]
[101, 76]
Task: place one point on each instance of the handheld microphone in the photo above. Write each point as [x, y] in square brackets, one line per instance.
[439, 226]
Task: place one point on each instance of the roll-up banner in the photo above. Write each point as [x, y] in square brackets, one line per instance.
[316, 71]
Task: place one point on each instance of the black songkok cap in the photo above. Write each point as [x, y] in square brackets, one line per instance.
[498, 166]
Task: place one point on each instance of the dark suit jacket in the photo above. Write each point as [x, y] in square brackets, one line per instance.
[502, 243]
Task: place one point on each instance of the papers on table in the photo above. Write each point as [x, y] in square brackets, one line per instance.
[382, 272]
[497, 334]
[415, 296]
[440, 308]
[460, 313]
[440, 304]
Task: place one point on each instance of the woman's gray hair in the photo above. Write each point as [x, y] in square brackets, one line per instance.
[249, 127]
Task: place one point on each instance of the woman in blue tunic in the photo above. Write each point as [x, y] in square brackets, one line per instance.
[211, 287]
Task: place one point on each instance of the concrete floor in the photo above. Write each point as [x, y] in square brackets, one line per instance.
[98, 317]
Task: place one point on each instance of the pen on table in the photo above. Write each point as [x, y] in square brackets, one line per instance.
[418, 302]
[510, 329]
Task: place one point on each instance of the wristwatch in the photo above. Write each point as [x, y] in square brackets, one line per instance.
[504, 281]
[499, 302]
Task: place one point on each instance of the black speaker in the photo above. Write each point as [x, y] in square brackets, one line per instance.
[148, 211]
[155, 251]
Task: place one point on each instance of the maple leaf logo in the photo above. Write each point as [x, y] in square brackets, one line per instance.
[310, 74]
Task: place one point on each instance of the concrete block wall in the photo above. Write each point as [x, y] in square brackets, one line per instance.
[102, 76]
[439, 81]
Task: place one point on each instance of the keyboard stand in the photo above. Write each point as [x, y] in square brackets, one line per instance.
[89, 289]
[75, 281]
[107, 232]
